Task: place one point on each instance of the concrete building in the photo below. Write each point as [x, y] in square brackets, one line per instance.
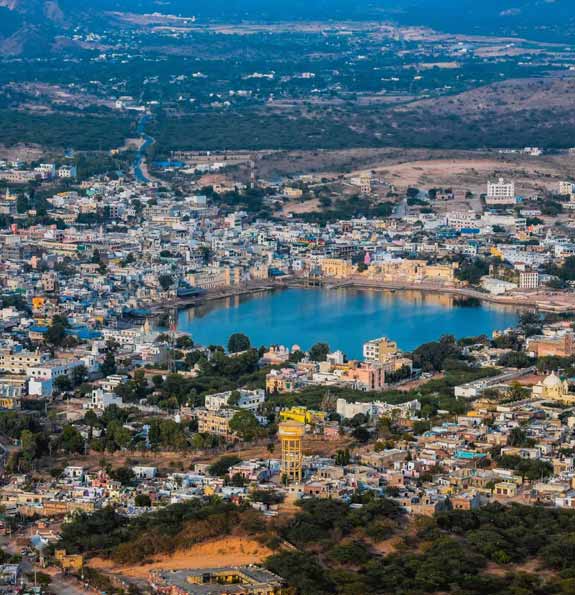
[528, 280]
[559, 344]
[379, 350]
[240, 580]
[500, 193]
[246, 399]
[215, 422]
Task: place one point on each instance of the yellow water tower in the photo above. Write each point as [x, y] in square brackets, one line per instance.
[291, 436]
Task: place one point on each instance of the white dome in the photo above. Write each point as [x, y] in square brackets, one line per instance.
[552, 380]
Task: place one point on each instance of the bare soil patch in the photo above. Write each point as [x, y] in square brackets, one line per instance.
[228, 551]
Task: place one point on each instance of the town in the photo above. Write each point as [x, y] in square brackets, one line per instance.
[113, 415]
[287, 297]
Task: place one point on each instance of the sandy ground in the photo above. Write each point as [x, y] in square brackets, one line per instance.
[463, 174]
[301, 207]
[228, 551]
[460, 170]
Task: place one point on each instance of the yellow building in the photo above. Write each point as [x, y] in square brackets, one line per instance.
[215, 422]
[302, 415]
[293, 193]
[554, 389]
[11, 403]
[505, 489]
[413, 271]
[380, 350]
[215, 278]
[336, 267]
[69, 561]
[38, 303]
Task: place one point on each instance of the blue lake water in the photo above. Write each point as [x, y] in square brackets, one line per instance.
[344, 318]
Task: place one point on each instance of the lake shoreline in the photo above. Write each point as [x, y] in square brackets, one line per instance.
[299, 316]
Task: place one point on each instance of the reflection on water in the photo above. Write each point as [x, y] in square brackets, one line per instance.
[344, 318]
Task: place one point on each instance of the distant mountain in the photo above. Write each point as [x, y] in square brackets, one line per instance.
[29, 26]
[32, 25]
[34, 10]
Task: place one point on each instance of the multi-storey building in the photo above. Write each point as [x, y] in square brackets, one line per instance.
[20, 362]
[500, 192]
[215, 422]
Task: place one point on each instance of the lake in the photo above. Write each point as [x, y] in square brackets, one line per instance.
[343, 318]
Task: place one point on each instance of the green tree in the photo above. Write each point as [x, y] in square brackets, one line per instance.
[166, 281]
[71, 440]
[63, 383]
[143, 500]
[108, 366]
[238, 342]
[223, 465]
[124, 475]
[56, 334]
[79, 375]
[245, 425]
[318, 352]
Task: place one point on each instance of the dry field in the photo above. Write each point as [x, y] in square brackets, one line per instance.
[227, 551]
[510, 96]
[460, 170]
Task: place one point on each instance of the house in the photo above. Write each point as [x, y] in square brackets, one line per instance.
[142, 472]
[505, 489]
[100, 399]
[242, 398]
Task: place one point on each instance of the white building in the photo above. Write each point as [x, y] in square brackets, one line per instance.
[248, 399]
[40, 387]
[376, 408]
[99, 400]
[67, 171]
[528, 280]
[500, 192]
[46, 170]
[461, 219]
[53, 368]
[142, 472]
[497, 286]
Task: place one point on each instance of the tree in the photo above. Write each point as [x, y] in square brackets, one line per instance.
[361, 434]
[238, 342]
[143, 500]
[516, 359]
[184, 342]
[71, 440]
[22, 204]
[166, 281]
[124, 475]
[472, 270]
[318, 352]
[343, 457]
[56, 334]
[245, 425]
[79, 375]
[63, 383]
[432, 356]
[296, 356]
[29, 444]
[108, 366]
[223, 465]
